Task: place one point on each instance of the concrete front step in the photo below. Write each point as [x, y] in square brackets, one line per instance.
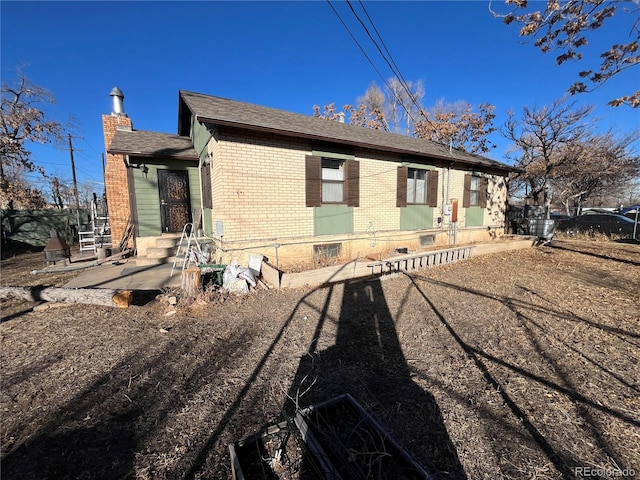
[161, 252]
[144, 260]
[164, 251]
[167, 242]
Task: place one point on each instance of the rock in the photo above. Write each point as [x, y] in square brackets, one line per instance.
[238, 286]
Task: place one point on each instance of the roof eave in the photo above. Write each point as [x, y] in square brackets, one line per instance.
[290, 133]
[152, 154]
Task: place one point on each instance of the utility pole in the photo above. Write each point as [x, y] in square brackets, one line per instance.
[75, 184]
[104, 190]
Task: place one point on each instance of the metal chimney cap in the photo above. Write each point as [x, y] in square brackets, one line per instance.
[117, 98]
[116, 92]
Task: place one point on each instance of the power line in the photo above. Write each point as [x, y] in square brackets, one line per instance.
[394, 68]
[90, 146]
[397, 69]
[88, 157]
[358, 44]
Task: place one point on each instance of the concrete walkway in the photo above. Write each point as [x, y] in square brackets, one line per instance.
[126, 275]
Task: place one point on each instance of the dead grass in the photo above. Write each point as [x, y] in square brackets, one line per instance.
[518, 365]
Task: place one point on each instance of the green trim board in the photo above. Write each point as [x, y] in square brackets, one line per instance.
[420, 166]
[474, 217]
[339, 156]
[416, 217]
[332, 220]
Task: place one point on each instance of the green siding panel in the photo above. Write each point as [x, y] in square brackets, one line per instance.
[148, 197]
[200, 137]
[474, 217]
[332, 220]
[416, 217]
[207, 221]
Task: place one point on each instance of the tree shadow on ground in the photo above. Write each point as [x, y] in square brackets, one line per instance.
[98, 432]
[586, 407]
[367, 362]
[581, 251]
[15, 312]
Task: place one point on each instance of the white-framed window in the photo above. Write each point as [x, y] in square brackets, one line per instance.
[333, 180]
[416, 186]
[474, 191]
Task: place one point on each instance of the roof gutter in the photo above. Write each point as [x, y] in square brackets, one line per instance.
[291, 133]
[152, 155]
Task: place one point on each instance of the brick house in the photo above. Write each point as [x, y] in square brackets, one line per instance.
[267, 181]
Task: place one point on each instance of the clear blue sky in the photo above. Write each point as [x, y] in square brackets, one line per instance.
[287, 55]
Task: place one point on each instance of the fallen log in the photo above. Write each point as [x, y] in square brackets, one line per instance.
[91, 296]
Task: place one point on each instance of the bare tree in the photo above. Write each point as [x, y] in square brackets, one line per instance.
[373, 98]
[57, 190]
[361, 115]
[370, 111]
[22, 121]
[364, 117]
[458, 125]
[328, 112]
[596, 166]
[403, 104]
[541, 138]
[564, 27]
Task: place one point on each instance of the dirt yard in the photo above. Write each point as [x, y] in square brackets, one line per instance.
[521, 365]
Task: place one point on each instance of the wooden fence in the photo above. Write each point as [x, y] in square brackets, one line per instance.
[33, 227]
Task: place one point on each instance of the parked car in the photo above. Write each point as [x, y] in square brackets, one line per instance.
[607, 223]
[631, 212]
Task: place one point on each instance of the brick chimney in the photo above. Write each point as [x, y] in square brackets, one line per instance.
[116, 182]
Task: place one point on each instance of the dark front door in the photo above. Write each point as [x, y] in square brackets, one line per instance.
[175, 206]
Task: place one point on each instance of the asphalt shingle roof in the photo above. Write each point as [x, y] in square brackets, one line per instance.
[142, 143]
[222, 111]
